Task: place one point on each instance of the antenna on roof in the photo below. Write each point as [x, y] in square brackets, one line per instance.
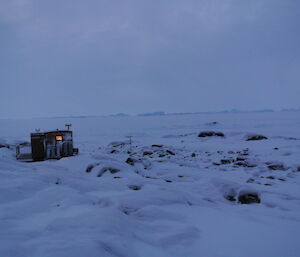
[68, 126]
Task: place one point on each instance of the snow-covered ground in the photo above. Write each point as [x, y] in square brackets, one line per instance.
[170, 193]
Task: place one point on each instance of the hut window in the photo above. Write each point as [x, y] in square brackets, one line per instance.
[59, 138]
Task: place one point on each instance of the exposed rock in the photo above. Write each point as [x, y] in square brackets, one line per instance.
[255, 137]
[277, 167]
[210, 134]
[133, 187]
[193, 155]
[110, 169]
[170, 152]
[90, 167]
[159, 146]
[147, 153]
[250, 180]
[248, 198]
[225, 161]
[271, 177]
[58, 182]
[131, 161]
[245, 164]
[212, 123]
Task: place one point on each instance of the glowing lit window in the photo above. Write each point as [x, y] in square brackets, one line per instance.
[58, 138]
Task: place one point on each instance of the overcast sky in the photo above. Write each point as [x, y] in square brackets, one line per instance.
[92, 57]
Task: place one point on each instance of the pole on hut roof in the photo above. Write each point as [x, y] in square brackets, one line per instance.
[68, 126]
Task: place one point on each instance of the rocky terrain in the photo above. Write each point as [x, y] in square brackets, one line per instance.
[191, 185]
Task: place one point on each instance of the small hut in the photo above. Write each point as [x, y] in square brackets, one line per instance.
[49, 145]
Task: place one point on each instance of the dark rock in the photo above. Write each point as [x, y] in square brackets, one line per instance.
[113, 170]
[248, 198]
[90, 167]
[180, 176]
[216, 163]
[210, 134]
[212, 123]
[193, 155]
[147, 153]
[113, 151]
[250, 180]
[131, 161]
[281, 179]
[162, 155]
[157, 146]
[275, 148]
[256, 137]
[133, 187]
[238, 159]
[245, 164]
[231, 152]
[4, 146]
[105, 169]
[225, 161]
[170, 152]
[169, 181]
[268, 184]
[271, 177]
[277, 167]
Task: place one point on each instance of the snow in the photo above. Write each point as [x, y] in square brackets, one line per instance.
[168, 200]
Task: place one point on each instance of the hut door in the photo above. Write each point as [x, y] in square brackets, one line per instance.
[38, 148]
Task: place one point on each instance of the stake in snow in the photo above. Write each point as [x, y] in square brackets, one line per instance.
[47, 145]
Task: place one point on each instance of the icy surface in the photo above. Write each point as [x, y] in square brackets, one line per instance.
[169, 193]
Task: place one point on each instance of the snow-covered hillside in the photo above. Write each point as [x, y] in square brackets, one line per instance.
[169, 193]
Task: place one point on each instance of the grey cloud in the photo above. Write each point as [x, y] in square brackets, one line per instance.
[100, 57]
